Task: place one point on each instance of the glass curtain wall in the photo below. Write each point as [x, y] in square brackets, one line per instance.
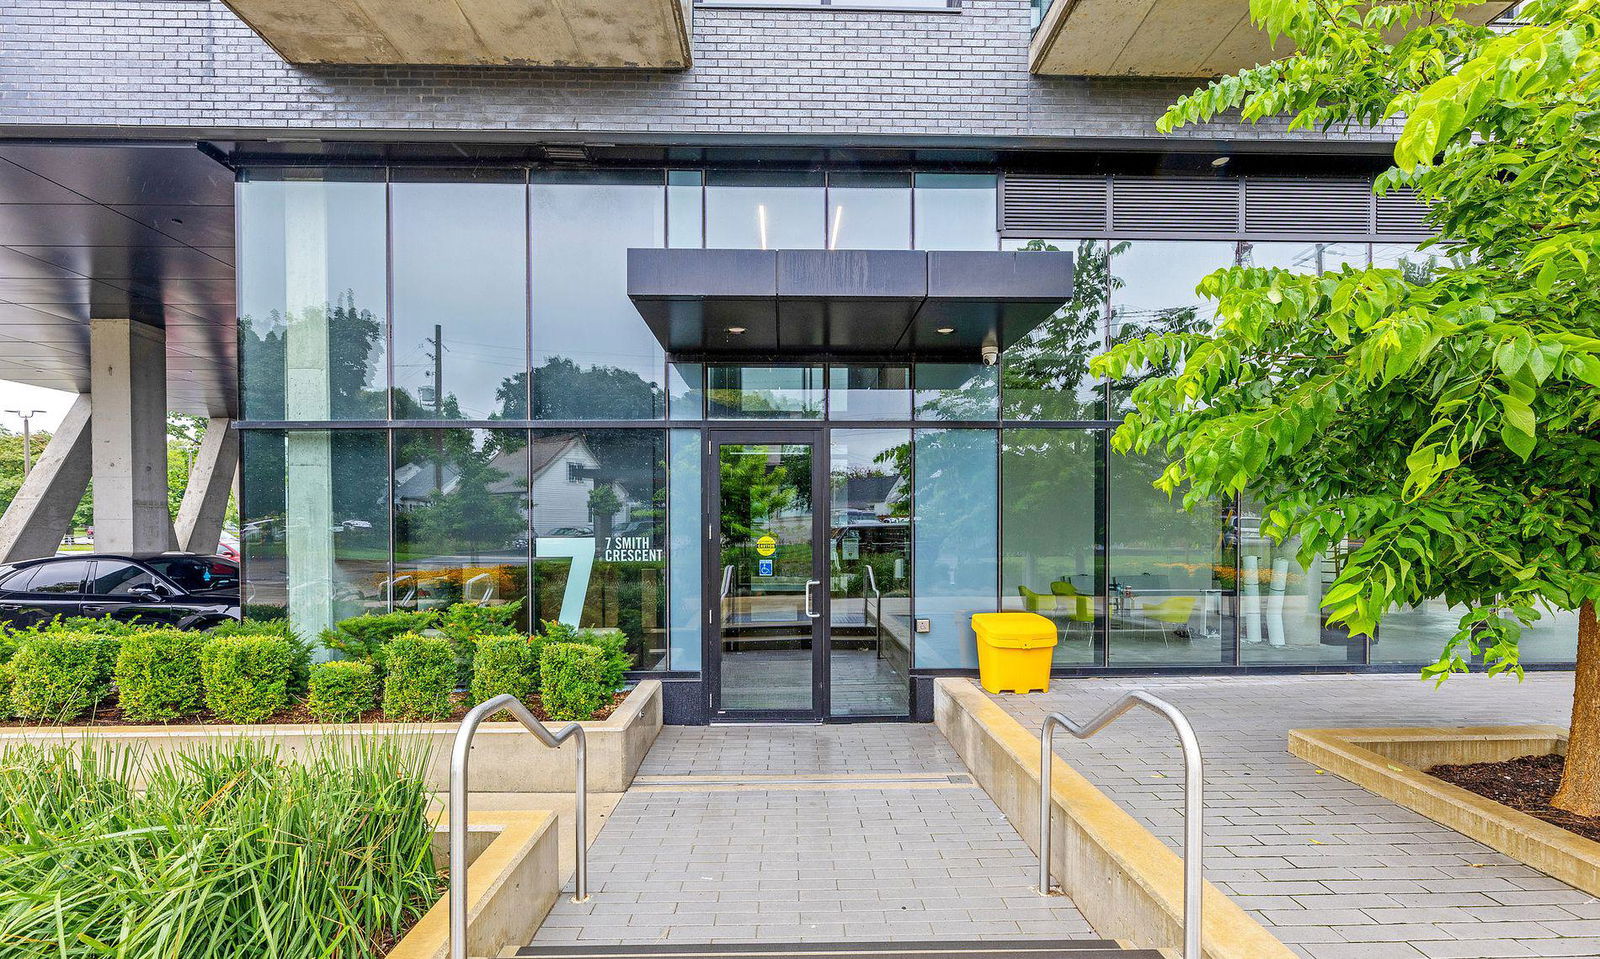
[497, 300]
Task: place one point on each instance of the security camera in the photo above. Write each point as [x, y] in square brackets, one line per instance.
[991, 355]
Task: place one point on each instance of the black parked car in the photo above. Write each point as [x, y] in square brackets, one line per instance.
[165, 589]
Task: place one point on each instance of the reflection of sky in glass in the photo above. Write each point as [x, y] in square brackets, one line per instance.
[1160, 275]
[743, 213]
[869, 213]
[581, 310]
[956, 541]
[459, 261]
[955, 211]
[1304, 257]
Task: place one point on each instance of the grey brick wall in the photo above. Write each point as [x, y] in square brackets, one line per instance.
[191, 64]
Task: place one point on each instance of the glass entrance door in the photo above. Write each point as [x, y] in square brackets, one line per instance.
[767, 566]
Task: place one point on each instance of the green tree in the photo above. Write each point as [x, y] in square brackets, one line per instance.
[1443, 423]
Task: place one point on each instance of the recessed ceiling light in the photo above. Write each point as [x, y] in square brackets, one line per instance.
[736, 329]
[946, 330]
[1221, 161]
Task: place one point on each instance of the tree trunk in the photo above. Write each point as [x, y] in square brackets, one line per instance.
[1580, 784]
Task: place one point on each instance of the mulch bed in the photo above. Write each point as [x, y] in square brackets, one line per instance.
[1526, 784]
[110, 714]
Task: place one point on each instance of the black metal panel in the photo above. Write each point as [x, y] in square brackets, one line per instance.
[844, 301]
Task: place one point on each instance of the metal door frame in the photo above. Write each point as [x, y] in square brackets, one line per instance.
[811, 432]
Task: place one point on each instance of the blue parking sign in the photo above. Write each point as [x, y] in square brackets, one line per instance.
[764, 567]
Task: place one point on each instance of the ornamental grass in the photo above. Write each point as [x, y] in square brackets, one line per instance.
[223, 852]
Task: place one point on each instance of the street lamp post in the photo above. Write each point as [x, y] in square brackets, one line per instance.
[27, 438]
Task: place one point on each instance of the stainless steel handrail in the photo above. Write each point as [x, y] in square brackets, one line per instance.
[1193, 800]
[870, 581]
[458, 805]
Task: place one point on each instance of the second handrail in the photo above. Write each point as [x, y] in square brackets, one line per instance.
[1193, 800]
[458, 804]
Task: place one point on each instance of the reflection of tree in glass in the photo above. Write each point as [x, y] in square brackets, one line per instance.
[354, 337]
[758, 489]
[563, 390]
[474, 505]
[1046, 375]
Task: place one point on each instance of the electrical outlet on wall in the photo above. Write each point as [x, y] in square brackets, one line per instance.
[924, 626]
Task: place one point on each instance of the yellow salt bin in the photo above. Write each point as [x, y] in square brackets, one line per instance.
[1014, 651]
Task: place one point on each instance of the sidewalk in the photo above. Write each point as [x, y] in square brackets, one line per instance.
[808, 833]
[1337, 872]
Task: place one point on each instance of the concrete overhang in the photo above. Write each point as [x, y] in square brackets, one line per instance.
[600, 34]
[776, 302]
[1163, 38]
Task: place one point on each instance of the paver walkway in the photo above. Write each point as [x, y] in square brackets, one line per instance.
[1339, 872]
[808, 833]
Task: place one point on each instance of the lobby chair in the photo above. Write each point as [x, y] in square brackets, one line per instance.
[1082, 610]
[1174, 610]
[1037, 602]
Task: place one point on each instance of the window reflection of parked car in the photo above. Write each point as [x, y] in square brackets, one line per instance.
[571, 531]
[637, 527]
[169, 589]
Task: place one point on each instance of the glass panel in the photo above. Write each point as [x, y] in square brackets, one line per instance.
[460, 518]
[956, 211]
[1050, 563]
[1047, 373]
[767, 557]
[869, 562]
[63, 578]
[685, 209]
[460, 300]
[957, 542]
[1417, 265]
[600, 527]
[1280, 601]
[875, 392]
[684, 542]
[1153, 291]
[764, 392]
[764, 211]
[1553, 639]
[313, 300]
[1167, 570]
[1303, 257]
[593, 356]
[957, 391]
[685, 398]
[1416, 634]
[869, 211]
[315, 525]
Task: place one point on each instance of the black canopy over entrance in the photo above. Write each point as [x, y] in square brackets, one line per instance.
[845, 301]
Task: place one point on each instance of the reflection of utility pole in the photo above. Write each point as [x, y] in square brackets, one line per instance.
[27, 438]
[438, 407]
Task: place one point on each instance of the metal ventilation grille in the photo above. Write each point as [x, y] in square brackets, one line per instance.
[1175, 205]
[1402, 216]
[1294, 206]
[1052, 205]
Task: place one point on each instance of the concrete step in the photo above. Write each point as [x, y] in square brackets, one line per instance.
[986, 949]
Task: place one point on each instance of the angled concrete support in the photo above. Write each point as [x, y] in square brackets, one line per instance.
[128, 379]
[205, 502]
[42, 511]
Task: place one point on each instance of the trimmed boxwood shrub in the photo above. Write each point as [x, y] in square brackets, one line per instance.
[420, 675]
[570, 684]
[158, 675]
[366, 636]
[299, 648]
[60, 676]
[247, 677]
[505, 664]
[342, 690]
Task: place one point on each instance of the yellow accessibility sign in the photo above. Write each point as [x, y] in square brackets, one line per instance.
[767, 545]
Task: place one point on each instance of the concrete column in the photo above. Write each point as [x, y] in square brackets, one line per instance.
[205, 502]
[42, 511]
[128, 380]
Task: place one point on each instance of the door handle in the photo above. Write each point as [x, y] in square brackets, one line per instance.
[811, 611]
